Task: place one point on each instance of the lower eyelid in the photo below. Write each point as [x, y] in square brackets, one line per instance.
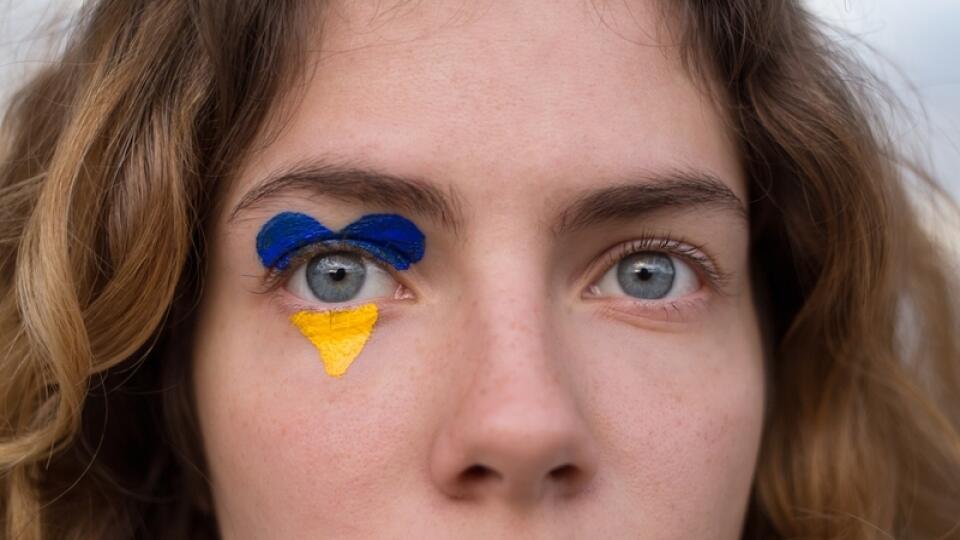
[289, 301]
[287, 305]
[646, 312]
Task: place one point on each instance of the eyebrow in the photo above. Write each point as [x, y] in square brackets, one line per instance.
[639, 195]
[648, 193]
[359, 185]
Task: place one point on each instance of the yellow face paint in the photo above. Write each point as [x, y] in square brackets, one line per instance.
[339, 335]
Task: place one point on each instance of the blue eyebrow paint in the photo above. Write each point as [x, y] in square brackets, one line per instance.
[391, 238]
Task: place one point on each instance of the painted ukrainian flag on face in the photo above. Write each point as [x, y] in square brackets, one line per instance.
[331, 269]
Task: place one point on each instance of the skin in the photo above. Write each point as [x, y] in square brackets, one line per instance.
[495, 399]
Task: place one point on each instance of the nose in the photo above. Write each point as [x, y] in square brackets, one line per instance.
[515, 433]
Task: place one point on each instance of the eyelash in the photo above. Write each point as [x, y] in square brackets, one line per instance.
[697, 255]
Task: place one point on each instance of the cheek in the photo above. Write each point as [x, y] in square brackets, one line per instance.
[281, 435]
[679, 416]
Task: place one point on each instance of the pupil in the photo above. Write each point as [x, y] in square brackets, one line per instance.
[644, 274]
[338, 274]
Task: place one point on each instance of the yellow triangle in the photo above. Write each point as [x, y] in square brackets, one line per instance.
[339, 335]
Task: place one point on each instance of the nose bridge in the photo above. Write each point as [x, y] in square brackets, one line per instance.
[515, 432]
[506, 292]
[513, 327]
[511, 341]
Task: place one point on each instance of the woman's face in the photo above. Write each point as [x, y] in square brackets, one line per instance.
[571, 351]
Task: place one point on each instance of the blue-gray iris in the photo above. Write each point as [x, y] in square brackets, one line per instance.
[336, 277]
[646, 275]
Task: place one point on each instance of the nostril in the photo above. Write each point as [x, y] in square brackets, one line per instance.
[564, 473]
[477, 473]
[526, 482]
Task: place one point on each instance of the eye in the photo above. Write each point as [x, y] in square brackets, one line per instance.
[341, 277]
[648, 275]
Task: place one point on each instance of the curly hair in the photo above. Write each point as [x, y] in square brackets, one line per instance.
[111, 163]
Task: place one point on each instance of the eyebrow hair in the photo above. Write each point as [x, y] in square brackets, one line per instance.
[360, 185]
[647, 193]
[674, 189]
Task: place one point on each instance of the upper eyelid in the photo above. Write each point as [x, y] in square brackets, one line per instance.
[391, 238]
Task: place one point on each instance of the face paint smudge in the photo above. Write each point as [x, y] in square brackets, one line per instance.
[391, 238]
[339, 335]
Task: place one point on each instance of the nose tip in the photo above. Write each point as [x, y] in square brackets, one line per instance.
[513, 428]
[518, 464]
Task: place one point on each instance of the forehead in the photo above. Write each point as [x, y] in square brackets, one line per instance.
[566, 92]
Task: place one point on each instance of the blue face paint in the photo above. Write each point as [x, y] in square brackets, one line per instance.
[391, 238]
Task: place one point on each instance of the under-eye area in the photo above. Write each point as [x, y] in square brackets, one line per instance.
[339, 335]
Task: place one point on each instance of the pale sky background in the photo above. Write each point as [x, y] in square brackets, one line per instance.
[918, 38]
